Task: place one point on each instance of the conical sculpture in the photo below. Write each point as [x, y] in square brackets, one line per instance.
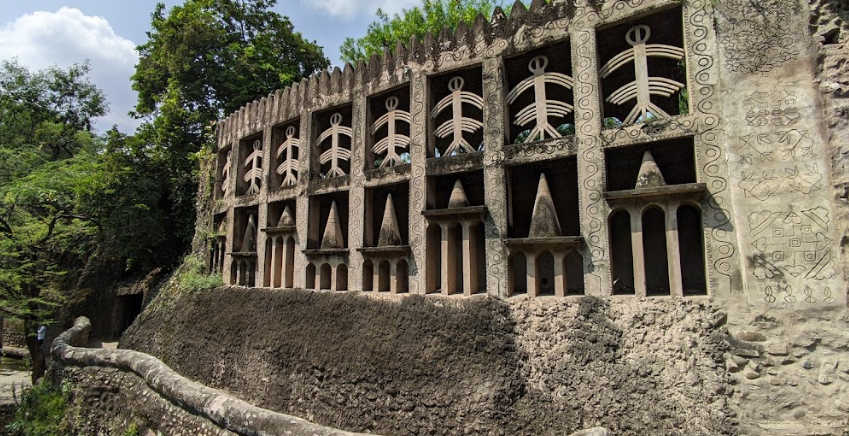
[286, 219]
[544, 222]
[249, 241]
[389, 233]
[333, 231]
[650, 175]
[458, 196]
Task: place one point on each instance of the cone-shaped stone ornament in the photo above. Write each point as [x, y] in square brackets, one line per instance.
[333, 231]
[544, 222]
[389, 233]
[286, 219]
[458, 196]
[650, 175]
[249, 241]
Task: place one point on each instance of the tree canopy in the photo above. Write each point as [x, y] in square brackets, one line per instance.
[430, 16]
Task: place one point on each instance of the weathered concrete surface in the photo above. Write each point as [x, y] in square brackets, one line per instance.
[480, 366]
[221, 409]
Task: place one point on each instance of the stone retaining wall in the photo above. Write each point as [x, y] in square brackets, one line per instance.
[136, 384]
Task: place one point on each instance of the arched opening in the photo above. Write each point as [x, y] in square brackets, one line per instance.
[455, 259]
[310, 279]
[368, 275]
[691, 249]
[654, 252]
[383, 276]
[267, 276]
[545, 273]
[479, 253]
[325, 274]
[434, 258]
[342, 277]
[518, 273]
[621, 256]
[289, 263]
[402, 277]
[574, 267]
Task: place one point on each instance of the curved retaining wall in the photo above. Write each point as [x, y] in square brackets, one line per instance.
[226, 412]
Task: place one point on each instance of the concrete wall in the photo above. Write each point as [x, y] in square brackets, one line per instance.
[447, 366]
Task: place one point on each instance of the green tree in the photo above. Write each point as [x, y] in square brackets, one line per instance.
[46, 159]
[430, 16]
[205, 59]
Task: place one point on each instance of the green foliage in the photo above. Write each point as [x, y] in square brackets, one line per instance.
[205, 59]
[430, 16]
[41, 411]
[49, 155]
[193, 276]
[131, 430]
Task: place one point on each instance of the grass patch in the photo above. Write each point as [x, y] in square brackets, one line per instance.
[41, 411]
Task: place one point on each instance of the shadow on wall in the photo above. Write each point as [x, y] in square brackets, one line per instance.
[419, 365]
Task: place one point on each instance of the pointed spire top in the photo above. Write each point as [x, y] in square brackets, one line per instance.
[286, 218]
[458, 196]
[544, 222]
[333, 237]
[249, 241]
[650, 175]
[389, 232]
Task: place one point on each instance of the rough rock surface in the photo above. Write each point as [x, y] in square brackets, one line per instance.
[438, 366]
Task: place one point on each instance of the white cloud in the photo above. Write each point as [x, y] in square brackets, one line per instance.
[68, 36]
[350, 9]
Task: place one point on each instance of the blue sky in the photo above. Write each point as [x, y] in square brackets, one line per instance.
[62, 32]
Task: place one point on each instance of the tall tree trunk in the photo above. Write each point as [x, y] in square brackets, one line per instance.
[35, 352]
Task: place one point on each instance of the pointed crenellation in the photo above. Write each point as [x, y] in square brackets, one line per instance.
[400, 55]
[458, 197]
[415, 51]
[389, 231]
[430, 47]
[286, 219]
[498, 23]
[249, 241]
[650, 175]
[480, 28]
[537, 6]
[333, 237]
[324, 87]
[518, 16]
[544, 221]
[446, 39]
[336, 81]
[461, 34]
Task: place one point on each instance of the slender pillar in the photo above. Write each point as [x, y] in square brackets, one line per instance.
[470, 276]
[393, 276]
[288, 263]
[239, 272]
[449, 261]
[530, 273]
[637, 253]
[559, 274]
[333, 277]
[275, 263]
[673, 254]
[375, 281]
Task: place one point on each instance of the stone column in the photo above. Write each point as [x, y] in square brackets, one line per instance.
[419, 267]
[305, 152]
[449, 261]
[673, 254]
[393, 276]
[531, 274]
[588, 118]
[356, 193]
[637, 252]
[275, 262]
[470, 275]
[559, 274]
[287, 262]
[495, 229]
[375, 282]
